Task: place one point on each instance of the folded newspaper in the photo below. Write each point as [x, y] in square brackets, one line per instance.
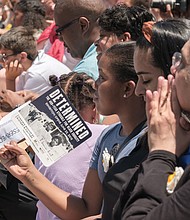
[50, 124]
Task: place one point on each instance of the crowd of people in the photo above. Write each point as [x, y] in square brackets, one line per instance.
[124, 66]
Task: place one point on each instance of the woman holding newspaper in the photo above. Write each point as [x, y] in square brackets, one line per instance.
[115, 94]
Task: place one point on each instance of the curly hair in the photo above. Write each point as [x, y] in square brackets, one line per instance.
[33, 13]
[79, 88]
[120, 19]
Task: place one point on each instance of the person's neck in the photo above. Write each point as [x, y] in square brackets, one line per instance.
[26, 65]
[93, 35]
[133, 115]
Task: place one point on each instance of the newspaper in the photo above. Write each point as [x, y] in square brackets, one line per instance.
[51, 125]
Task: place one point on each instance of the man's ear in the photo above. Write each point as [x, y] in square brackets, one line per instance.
[84, 24]
[125, 37]
[23, 56]
[129, 88]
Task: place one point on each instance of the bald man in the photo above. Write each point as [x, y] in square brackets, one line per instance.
[78, 29]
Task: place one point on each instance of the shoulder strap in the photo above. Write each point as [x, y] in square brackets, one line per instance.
[136, 131]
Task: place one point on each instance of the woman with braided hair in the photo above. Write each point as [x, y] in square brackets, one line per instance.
[114, 95]
[70, 171]
[80, 90]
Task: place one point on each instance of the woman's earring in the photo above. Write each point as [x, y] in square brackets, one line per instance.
[124, 96]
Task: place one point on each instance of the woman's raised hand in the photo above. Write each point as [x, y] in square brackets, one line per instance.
[164, 115]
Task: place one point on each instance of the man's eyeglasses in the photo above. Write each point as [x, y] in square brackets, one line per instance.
[3, 57]
[176, 59]
[60, 29]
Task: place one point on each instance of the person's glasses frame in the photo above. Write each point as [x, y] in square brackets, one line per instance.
[59, 30]
[3, 57]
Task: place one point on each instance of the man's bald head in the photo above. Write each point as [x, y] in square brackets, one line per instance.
[89, 8]
[77, 20]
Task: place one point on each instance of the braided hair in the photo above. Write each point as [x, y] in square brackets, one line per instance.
[79, 88]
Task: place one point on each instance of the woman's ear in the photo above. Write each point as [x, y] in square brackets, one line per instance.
[129, 89]
[95, 116]
[125, 37]
[89, 114]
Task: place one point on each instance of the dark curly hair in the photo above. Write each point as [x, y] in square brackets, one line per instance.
[34, 13]
[79, 87]
[120, 19]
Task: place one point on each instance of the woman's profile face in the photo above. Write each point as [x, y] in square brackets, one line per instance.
[147, 73]
[109, 92]
[18, 18]
[105, 41]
